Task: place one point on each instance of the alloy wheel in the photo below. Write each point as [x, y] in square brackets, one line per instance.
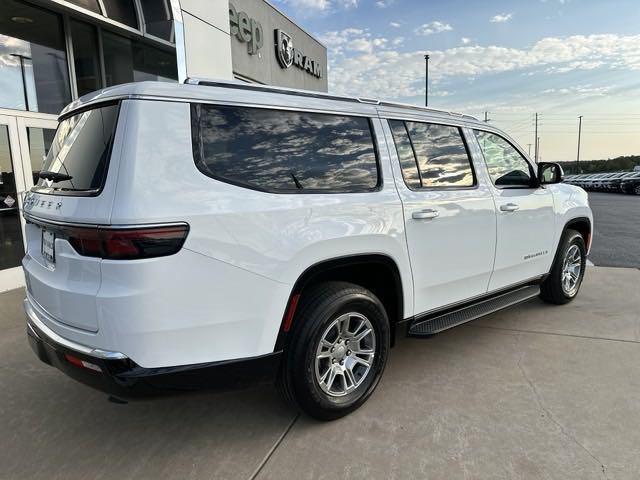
[571, 270]
[345, 353]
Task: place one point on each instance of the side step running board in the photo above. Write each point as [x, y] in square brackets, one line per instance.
[438, 322]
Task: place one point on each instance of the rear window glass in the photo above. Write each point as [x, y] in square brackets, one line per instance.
[79, 155]
[284, 151]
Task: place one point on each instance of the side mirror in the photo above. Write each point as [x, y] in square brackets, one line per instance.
[550, 173]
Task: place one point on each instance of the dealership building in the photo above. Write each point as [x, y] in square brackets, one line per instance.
[54, 51]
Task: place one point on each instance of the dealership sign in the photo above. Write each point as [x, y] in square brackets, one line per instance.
[288, 55]
[248, 30]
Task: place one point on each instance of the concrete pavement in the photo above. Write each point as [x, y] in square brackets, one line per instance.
[536, 391]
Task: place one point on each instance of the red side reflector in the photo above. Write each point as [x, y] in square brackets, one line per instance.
[81, 363]
[291, 311]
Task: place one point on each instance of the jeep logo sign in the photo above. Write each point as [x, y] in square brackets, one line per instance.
[288, 55]
[246, 29]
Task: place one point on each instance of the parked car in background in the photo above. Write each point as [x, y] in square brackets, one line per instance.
[613, 183]
[631, 184]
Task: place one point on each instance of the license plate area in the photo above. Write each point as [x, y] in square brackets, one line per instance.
[48, 246]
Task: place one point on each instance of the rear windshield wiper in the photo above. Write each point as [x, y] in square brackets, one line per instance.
[54, 176]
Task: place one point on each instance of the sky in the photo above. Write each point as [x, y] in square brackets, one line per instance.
[559, 58]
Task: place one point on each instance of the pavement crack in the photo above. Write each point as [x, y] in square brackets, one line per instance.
[551, 417]
[273, 449]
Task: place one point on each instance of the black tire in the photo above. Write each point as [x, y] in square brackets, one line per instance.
[551, 290]
[320, 306]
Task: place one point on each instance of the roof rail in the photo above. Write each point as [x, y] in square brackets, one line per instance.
[267, 88]
[310, 93]
[424, 109]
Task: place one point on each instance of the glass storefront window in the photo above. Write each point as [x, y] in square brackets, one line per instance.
[88, 4]
[126, 60]
[40, 140]
[33, 63]
[157, 18]
[85, 57]
[122, 11]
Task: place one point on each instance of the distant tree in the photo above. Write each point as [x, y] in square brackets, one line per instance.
[618, 164]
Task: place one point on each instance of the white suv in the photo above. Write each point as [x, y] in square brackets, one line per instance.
[195, 235]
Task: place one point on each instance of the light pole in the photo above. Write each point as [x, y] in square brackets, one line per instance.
[579, 134]
[426, 81]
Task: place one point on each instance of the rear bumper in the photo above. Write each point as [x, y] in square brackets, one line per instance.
[115, 374]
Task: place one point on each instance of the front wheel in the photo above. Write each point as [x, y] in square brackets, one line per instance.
[338, 350]
[564, 280]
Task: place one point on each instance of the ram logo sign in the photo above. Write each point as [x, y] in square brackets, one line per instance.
[284, 48]
[288, 55]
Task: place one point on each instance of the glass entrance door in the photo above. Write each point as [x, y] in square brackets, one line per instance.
[24, 141]
[11, 182]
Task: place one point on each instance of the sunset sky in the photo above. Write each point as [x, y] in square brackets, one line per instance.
[560, 58]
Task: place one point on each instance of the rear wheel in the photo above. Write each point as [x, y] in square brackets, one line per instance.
[338, 351]
[564, 280]
[636, 190]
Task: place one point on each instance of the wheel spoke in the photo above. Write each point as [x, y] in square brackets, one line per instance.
[332, 377]
[364, 351]
[362, 334]
[362, 361]
[349, 375]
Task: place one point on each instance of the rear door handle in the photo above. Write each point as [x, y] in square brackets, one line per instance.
[509, 207]
[426, 214]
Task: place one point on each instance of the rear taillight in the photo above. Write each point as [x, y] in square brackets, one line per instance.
[127, 243]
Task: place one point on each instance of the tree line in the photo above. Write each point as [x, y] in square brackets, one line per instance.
[618, 164]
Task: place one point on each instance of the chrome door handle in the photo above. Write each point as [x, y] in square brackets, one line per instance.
[426, 214]
[509, 207]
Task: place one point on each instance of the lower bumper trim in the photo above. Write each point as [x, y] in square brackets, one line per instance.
[121, 377]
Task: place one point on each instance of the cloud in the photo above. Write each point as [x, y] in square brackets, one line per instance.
[354, 40]
[433, 27]
[384, 3]
[390, 73]
[465, 40]
[501, 18]
[395, 24]
[321, 5]
[579, 90]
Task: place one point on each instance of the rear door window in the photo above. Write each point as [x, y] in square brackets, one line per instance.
[284, 151]
[78, 159]
[432, 155]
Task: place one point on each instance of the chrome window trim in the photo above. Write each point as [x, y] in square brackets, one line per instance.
[118, 226]
[34, 310]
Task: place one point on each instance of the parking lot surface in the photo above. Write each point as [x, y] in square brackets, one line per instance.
[536, 391]
[616, 240]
